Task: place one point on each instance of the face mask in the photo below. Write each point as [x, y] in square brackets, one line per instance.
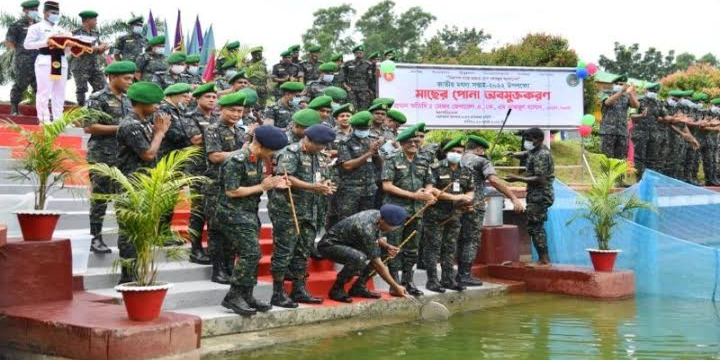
[685, 102]
[296, 101]
[34, 15]
[54, 18]
[159, 50]
[651, 95]
[617, 88]
[137, 29]
[362, 133]
[177, 69]
[328, 78]
[193, 69]
[671, 102]
[715, 109]
[528, 145]
[454, 157]
[230, 73]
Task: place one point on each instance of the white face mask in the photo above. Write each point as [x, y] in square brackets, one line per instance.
[454, 157]
[715, 109]
[362, 133]
[193, 69]
[651, 95]
[137, 29]
[159, 50]
[177, 69]
[328, 78]
[295, 102]
[528, 145]
[54, 18]
[671, 102]
[34, 15]
[230, 73]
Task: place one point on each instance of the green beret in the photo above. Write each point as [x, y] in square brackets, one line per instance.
[321, 102]
[338, 94]
[234, 99]
[406, 134]
[387, 101]
[286, 53]
[653, 87]
[232, 45]
[160, 39]
[306, 117]
[88, 14]
[176, 58]
[294, 48]
[361, 119]
[229, 64]
[292, 86]
[375, 55]
[256, 49]
[314, 48]
[421, 127]
[328, 67]
[676, 93]
[698, 96]
[336, 57]
[396, 116]
[347, 108]
[715, 101]
[177, 89]
[240, 75]
[135, 20]
[379, 106]
[204, 89]
[251, 96]
[357, 48]
[389, 51]
[30, 4]
[479, 140]
[192, 59]
[455, 142]
[145, 92]
[620, 78]
[120, 68]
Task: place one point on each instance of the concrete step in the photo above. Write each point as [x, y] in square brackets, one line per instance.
[71, 220]
[99, 280]
[73, 192]
[106, 260]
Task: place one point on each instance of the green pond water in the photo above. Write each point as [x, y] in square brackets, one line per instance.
[533, 327]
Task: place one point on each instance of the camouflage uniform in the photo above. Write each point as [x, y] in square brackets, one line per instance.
[539, 197]
[103, 149]
[440, 241]
[613, 128]
[87, 68]
[644, 136]
[658, 142]
[235, 225]
[331, 214]
[708, 153]
[281, 114]
[167, 78]
[23, 61]
[359, 75]
[150, 63]
[281, 70]
[356, 188]
[290, 250]
[292, 138]
[692, 157]
[310, 70]
[257, 74]
[316, 88]
[471, 222]
[678, 146]
[193, 79]
[176, 137]
[130, 46]
[195, 123]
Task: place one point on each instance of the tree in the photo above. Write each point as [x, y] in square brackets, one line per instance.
[450, 42]
[651, 65]
[329, 30]
[709, 59]
[684, 61]
[382, 29]
[701, 77]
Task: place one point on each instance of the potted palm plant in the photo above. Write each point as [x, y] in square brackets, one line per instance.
[603, 209]
[46, 165]
[145, 197]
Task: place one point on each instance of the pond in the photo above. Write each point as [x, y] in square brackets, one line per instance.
[533, 326]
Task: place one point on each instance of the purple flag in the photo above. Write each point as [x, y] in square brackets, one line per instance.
[179, 44]
[151, 27]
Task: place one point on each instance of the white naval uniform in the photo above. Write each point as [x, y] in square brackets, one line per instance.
[48, 89]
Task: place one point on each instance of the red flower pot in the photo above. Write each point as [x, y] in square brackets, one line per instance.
[37, 225]
[603, 260]
[143, 303]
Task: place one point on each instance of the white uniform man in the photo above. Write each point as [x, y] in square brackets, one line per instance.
[51, 65]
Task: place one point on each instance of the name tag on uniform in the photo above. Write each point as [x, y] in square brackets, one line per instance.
[444, 176]
[456, 186]
[399, 167]
[318, 177]
[306, 163]
[369, 160]
[230, 137]
[252, 173]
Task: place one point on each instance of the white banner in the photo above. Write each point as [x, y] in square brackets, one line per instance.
[454, 96]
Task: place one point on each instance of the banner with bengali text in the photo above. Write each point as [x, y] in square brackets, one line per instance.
[453, 96]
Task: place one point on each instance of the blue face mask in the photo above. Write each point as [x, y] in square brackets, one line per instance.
[54, 18]
[296, 101]
[362, 133]
[34, 15]
[454, 157]
[137, 29]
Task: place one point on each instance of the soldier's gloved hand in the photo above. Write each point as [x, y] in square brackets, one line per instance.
[518, 206]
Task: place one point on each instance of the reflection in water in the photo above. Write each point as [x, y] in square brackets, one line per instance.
[534, 327]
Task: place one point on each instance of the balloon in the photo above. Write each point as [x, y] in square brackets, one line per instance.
[591, 69]
[581, 64]
[588, 120]
[585, 130]
[387, 66]
[581, 73]
[389, 76]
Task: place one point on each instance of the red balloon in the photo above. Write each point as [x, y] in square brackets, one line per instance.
[389, 76]
[591, 69]
[585, 130]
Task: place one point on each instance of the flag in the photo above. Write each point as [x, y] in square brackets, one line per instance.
[168, 42]
[151, 30]
[195, 39]
[179, 44]
[208, 47]
[209, 68]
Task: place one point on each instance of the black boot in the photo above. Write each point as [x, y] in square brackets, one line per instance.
[301, 295]
[279, 298]
[235, 302]
[359, 288]
[448, 280]
[432, 281]
[314, 253]
[14, 110]
[247, 295]
[464, 276]
[97, 245]
[197, 253]
[219, 274]
[125, 277]
[337, 292]
[229, 265]
[409, 284]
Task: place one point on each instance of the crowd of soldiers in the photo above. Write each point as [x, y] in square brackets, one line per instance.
[330, 156]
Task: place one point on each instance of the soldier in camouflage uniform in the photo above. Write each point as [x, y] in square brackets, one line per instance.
[295, 55]
[339, 77]
[325, 79]
[310, 67]
[102, 145]
[442, 220]
[613, 128]
[152, 60]
[407, 182]
[193, 70]
[358, 78]
[323, 105]
[236, 82]
[539, 176]
[88, 67]
[692, 157]
[131, 45]
[241, 184]
[645, 126]
[257, 74]
[227, 71]
[358, 159]
[24, 60]
[221, 139]
[682, 139]
[139, 136]
[285, 71]
[708, 150]
[356, 242]
[305, 167]
[342, 130]
[472, 219]
[231, 49]
[282, 111]
[175, 73]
